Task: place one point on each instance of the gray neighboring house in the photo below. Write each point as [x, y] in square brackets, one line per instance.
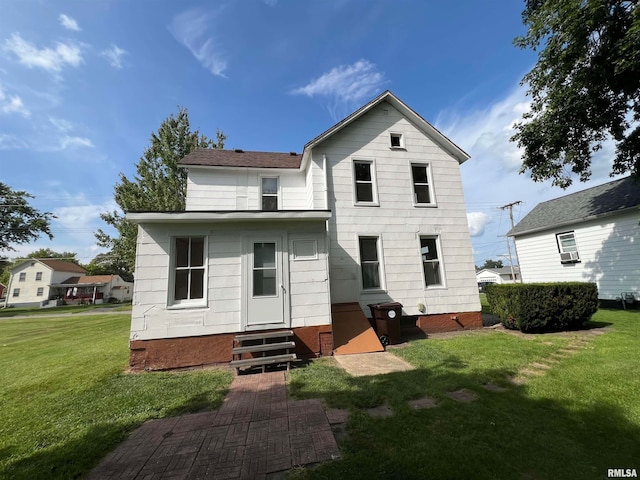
[498, 275]
[592, 235]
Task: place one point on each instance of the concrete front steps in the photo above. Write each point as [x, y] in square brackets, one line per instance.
[264, 348]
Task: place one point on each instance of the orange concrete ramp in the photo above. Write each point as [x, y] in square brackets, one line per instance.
[352, 332]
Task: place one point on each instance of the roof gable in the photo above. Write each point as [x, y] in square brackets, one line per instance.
[215, 157]
[433, 133]
[55, 265]
[594, 202]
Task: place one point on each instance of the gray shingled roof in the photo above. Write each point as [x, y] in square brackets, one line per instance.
[214, 157]
[602, 200]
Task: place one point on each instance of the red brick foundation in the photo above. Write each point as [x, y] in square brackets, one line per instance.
[449, 322]
[169, 353]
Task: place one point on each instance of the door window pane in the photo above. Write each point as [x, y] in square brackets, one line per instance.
[264, 255]
[264, 282]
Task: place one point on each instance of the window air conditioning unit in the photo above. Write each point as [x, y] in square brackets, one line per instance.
[569, 257]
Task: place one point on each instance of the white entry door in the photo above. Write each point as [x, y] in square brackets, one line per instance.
[266, 283]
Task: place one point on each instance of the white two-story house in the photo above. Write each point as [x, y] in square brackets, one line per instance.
[371, 211]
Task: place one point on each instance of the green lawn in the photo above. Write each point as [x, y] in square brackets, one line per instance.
[73, 309]
[577, 420]
[65, 401]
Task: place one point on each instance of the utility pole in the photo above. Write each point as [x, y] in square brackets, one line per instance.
[510, 207]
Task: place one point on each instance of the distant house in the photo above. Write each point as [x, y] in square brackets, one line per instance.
[592, 235]
[497, 275]
[31, 282]
[3, 287]
[93, 289]
[371, 211]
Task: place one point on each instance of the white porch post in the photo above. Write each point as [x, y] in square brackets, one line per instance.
[93, 300]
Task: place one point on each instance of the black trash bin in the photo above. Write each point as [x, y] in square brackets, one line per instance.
[386, 319]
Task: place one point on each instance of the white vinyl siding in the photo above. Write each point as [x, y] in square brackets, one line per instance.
[396, 221]
[608, 249]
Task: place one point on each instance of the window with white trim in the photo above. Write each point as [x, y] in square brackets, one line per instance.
[16, 292]
[396, 140]
[189, 279]
[23, 276]
[269, 194]
[369, 262]
[38, 276]
[431, 265]
[364, 176]
[40, 292]
[422, 194]
[568, 247]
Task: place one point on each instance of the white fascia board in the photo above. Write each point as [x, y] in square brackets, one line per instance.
[226, 216]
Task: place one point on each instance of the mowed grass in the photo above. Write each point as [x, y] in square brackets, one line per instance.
[578, 419]
[66, 401]
[63, 309]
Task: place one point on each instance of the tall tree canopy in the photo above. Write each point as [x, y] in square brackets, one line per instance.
[159, 184]
[585, 87]
[20, 222]
[490, 264]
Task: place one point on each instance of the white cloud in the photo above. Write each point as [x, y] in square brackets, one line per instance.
[114, 55]
[60, 124]
[12, 104]
[77, 216]
[68, 142]
[345, 86]
[68, 22]
[192, 29]
[50, 59]
[9, 141]
[477, 222]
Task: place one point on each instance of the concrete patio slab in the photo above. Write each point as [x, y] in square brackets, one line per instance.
[378, 363]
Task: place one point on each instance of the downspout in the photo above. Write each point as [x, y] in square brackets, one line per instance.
[326, 181]
[327, 238]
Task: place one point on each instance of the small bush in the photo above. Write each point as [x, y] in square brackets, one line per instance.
[539, 307]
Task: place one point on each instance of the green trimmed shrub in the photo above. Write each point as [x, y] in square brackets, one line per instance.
[543, 307]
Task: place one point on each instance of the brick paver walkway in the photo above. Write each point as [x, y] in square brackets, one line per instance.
[257, 431]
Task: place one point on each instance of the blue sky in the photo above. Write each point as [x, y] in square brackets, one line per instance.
[83, 84]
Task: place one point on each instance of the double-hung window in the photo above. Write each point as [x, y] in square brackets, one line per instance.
[369, 263]
[269, 194]
[189, 270]
[38, 276]
[431, 264]
[568, 247]
[365, 186]
[23, 277]
[422, 193]
[40, 291]
[16, 292]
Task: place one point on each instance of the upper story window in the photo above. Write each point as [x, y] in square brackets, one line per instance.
[397, 140]
[23, 277]
[369, 262]
[189, 280]
[38, 276]
[422, 192]
[431, 264]
[568, 247]
[269, 194]
[365, 186]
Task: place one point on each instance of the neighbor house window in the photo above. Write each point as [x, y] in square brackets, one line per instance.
[269, 193]
[16, 292]
[364, 175]
[397, 140]
[38, 276]
[23, 276]
[369, 262]
[568, 247]
[189, 269]
[431, 265]
[40, 292]
[421, 184]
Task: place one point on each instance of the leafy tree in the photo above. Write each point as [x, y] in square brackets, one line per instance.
[20, 222]
[47, 253]
[490, 264]
[159, 184]
[585, 87]
[105, 264]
